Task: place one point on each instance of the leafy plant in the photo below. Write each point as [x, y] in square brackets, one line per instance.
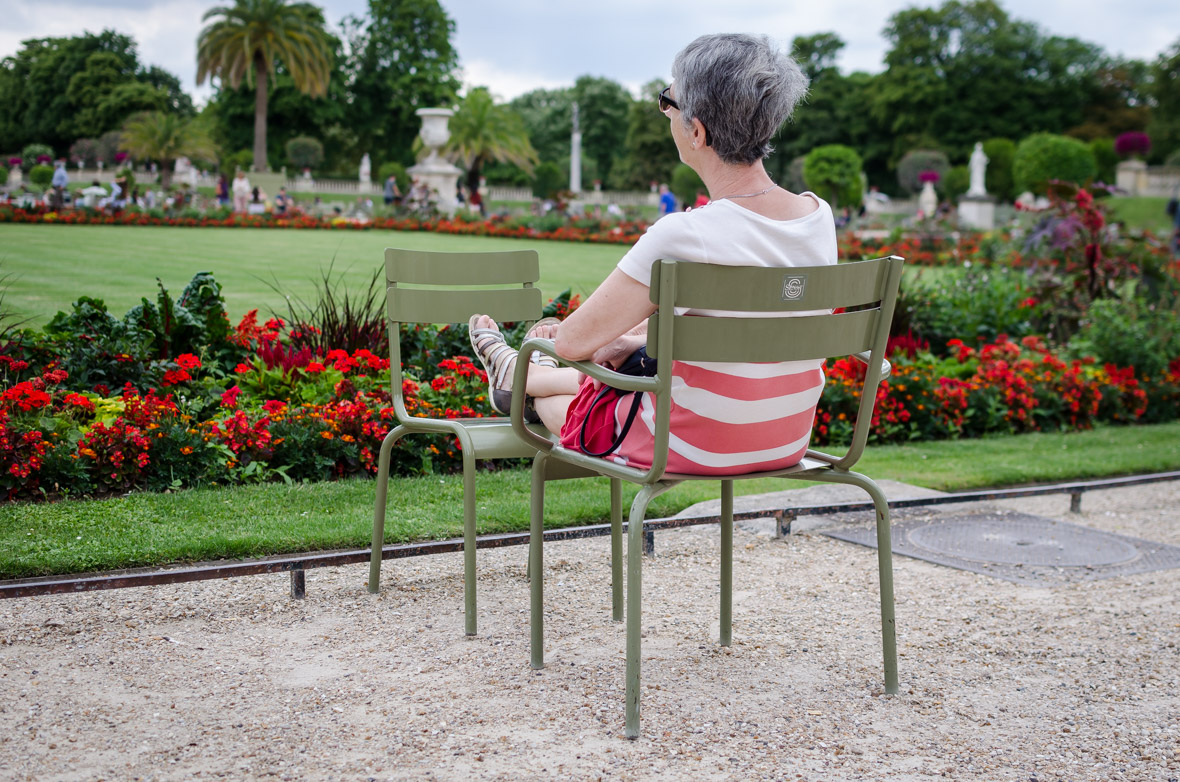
[305, 152]
[686, 183]
[834, 172]
[912, 165]
[1130, 332]
[1044, 157]
[338, 317]
[31, 154]
[975, 304]
[41, 175]
[998, 177]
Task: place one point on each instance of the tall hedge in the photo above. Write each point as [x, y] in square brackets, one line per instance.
[833, 172]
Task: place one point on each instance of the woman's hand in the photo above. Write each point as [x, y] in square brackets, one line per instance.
[616, 352]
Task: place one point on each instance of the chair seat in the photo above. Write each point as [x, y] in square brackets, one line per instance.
[494, 438]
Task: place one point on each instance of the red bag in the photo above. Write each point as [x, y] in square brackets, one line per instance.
[593, 415]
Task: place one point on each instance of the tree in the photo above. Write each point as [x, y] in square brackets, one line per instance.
[481, 132]
[247, 42]
[1164, 127]
[305, 152]
[834, 172]
[547, 116]
[965, 71]
[603, 106]
[1043, 157]
[39, 105]
[155, 135]
[289, 113]
[107, 93]
[817, 53]
[400, 60]
[651, 154]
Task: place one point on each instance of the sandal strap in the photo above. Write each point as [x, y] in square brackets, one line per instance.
[497, 356]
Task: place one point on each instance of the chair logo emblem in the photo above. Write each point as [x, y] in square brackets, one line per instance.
[793, 285]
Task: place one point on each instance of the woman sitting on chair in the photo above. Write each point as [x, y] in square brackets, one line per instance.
[729, 95]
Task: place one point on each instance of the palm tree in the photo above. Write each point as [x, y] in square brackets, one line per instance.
[155, 135]
[482, 132]
[250, 38]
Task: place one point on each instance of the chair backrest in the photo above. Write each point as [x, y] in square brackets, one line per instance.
[441, 287]
[865, 290]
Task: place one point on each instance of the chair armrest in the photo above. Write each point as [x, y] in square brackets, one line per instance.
[865, 355]
[596, 371]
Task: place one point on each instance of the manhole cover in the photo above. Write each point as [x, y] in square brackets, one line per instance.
[1025, 541]
[1019, 547]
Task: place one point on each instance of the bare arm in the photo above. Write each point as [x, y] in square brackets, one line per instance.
[619, 305]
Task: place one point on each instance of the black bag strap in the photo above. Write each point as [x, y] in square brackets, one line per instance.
[618, 440]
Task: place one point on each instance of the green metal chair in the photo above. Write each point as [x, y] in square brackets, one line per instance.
[866, 291]
[436, 287]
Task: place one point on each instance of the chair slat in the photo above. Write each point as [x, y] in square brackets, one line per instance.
[747, 289]
[417, 267]
[760, 340]
[415, 305]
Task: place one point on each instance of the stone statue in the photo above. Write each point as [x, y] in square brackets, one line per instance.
[366, 169]
[978, 166]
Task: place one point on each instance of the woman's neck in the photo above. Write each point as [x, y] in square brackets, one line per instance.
[725, 181]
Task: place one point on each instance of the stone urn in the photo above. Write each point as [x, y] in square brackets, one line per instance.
[928, 200]
[434, 171]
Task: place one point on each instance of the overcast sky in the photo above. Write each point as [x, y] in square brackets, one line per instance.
[517, 45]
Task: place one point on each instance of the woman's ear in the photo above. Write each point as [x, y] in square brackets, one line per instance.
[700, 134]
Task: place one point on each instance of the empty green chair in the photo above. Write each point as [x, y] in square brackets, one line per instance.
[437, 287]
[866, 292]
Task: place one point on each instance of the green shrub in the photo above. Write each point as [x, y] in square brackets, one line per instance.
[41, 176]
[685, 184]
[793, 177]
[129, 185]
[1130, 333]
[914, 162]
[998, 179]
[548, 178]
[243, 159]
[304, 152]
[956, 182]
[3, 175]
[30, 153]
[977, 303]
[1105, 158]
[833, 172]
[1044, 157]
[399, 173]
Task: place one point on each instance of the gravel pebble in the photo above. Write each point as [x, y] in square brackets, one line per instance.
[232, 679]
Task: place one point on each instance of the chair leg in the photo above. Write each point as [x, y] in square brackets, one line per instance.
[536, 563]
[726, 563]
[379, 507]
[634, 599]
[616, 549]
[884, 567]
[469, 578]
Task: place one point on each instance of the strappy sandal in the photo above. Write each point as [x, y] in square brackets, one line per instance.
[539, 358]
[499, 361]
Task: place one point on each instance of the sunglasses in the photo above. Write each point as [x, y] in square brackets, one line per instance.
[665, 102]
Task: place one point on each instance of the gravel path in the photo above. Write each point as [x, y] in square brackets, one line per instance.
[234, 680]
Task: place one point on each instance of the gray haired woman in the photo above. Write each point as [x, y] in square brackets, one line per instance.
[729, 95]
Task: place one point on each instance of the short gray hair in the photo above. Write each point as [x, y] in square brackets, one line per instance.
[741, 88]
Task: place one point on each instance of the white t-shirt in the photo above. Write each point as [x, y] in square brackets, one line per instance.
[723, 232]
[731, 418]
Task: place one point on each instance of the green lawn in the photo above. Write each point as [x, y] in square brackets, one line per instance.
[1147, 212]
[154, 529]
[51, 266]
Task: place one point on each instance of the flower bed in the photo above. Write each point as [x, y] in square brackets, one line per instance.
[584, 230]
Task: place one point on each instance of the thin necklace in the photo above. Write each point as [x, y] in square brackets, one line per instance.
[751, 195]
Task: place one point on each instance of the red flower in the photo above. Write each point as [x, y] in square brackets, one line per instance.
[242, 369]
[230, 398]
[188, 361]
[175, 377]
[314, 367]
